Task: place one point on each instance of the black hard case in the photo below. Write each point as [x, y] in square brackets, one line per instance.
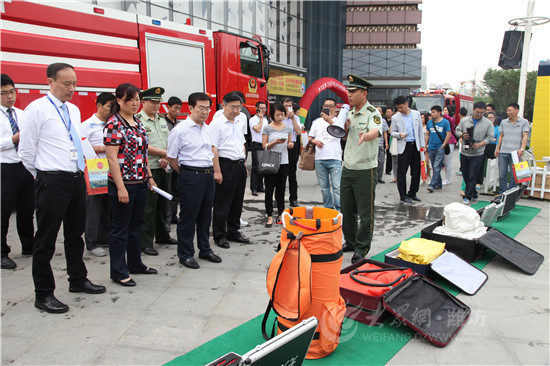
[427, 309]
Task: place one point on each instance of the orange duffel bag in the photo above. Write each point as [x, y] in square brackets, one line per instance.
[310, 246]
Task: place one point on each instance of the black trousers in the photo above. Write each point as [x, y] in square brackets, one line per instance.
[256, 179]
[127, 221]
[60, 198]
[277, 183]
[98, 220]
[470, 166]
[228, 199]
[293, 156]
[196, 199]
[409, 158]
[17, 194]
[388, 162]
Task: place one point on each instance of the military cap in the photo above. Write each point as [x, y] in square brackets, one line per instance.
[153, 94]
[355, 82]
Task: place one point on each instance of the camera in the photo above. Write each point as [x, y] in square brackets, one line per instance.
[470, 141]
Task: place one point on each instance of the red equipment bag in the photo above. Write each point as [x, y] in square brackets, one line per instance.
[362, 285]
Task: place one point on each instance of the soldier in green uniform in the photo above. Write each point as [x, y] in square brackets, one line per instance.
[155, 205]
[359, 175]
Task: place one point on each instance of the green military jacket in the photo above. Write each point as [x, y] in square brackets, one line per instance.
[157, 131]
[364, 156]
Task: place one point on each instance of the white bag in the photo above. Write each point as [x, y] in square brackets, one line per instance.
[461, 221]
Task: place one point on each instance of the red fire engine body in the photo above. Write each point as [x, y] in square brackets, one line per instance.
[422, 102]
[108, 47]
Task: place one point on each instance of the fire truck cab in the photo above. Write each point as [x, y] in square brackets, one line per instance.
[424, 101]
[108, 47]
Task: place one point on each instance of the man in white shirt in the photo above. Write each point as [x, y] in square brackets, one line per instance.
[257, 124]
[51, 150]
[17, 183]
[98, 206]
[328, 156]
[293, 121]
[190, 154]
[230, 172]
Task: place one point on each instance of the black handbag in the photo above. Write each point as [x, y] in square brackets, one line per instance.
[268, 161]
[447, 147]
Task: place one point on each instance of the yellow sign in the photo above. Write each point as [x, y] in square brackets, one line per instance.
[290, 85]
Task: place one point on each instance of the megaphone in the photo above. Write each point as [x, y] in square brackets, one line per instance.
[337, 128]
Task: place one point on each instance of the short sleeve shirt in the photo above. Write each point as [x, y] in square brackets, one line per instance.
[364, 156]
[132, 148]
[228, 138]
[92, 128]
[512, 134]
[157, 132]
[385, 128]
[191, 144]
[332, 149]
[274, 134]
[442, 127]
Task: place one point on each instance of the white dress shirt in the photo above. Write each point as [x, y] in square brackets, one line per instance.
[228, 138]
[191, 144]
[45, 142]
[92, 128]
[254, 121]
[240, 118]
[9, 154]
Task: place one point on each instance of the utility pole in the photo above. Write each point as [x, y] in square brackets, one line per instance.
[528, 22]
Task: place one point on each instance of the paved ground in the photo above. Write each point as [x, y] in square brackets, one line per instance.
[167, 315]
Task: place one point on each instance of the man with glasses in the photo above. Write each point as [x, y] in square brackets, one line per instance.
[17, 183]
[155, 226]
[328, 156]
[476, 131]
[256, 125]
[230, 172]
[190, 153]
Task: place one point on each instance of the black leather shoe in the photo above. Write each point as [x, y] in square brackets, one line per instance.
[381, 181]
[239, 239]
[147, 270]
[415, 198]
[211, 257]
[262, 190]
[129, 283]
[356, 257]
[222, 243]
[87, 287]
[174, 220]
[7, 263]
[26, 252]
[190, 263]
[254, 192]
[150, 251]
[50, 304]
[346, 248]
[169, 241]
[294, 204]
[406, 200]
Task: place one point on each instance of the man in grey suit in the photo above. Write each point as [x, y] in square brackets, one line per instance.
[407, 129]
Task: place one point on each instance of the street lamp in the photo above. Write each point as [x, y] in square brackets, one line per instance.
[528, 22]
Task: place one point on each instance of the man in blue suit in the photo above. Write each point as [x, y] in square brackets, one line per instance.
[407, 129]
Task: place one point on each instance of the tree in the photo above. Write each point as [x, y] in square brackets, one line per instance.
[503, 86]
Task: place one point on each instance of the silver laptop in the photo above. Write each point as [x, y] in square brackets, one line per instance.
[288, 348]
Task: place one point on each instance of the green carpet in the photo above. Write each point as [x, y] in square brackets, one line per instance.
[359, 344]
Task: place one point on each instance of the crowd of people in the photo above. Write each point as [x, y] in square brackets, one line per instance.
[204, 167]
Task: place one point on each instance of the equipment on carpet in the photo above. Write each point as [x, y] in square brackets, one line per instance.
[288, 348]
[303, 277]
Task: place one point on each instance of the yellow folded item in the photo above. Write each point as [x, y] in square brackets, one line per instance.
[421, 251]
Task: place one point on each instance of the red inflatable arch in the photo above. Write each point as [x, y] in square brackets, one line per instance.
[316, 88]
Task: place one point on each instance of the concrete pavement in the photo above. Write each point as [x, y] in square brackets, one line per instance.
[171, 313]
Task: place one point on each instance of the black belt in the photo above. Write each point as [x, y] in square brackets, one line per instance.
[411, 142]
[238, 162]
[209, 170]
[63, 173]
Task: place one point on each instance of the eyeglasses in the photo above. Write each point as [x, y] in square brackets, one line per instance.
[235, 107]
[203, 109]
[329, 106]
[10, 92]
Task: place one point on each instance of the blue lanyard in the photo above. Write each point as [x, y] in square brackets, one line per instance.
[14, 116]
[67, 126]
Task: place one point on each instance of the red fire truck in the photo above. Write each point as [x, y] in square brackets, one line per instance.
[422, 102]
[108, 47]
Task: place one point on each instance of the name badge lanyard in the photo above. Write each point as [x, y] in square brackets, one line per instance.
[14, 116]
[67, 126]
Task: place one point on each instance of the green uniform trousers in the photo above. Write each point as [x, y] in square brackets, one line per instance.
[156, 207]
[357, 189]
